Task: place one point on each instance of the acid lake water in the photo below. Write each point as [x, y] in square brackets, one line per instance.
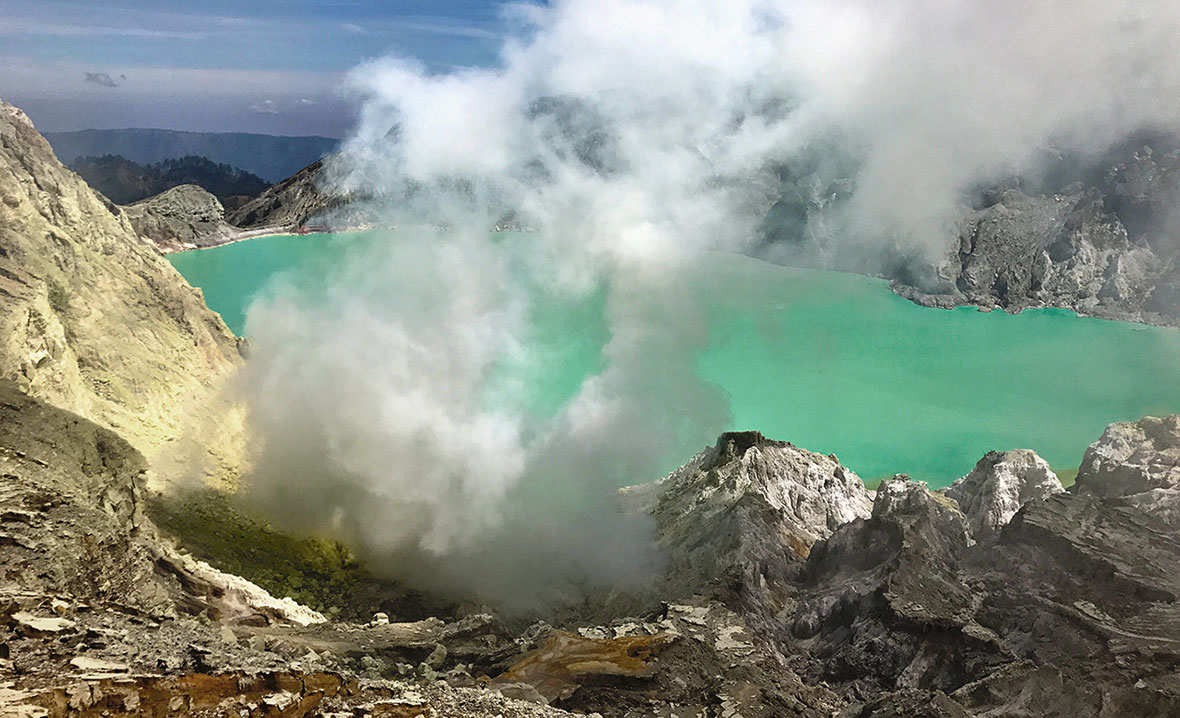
[833, 362]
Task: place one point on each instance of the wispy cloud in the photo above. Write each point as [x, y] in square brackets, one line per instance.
[141, 24]
[58, 29]
[266, 107]
[59, 78]
[105, 79]
[451, 29]
[426, 25]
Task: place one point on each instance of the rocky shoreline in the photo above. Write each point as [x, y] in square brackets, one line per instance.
[1105, 247]
[1102, 245]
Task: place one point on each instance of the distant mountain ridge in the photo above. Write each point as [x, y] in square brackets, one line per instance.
[271, 157]
[123, 181]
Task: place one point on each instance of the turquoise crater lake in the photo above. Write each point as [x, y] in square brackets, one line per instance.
[833, 362]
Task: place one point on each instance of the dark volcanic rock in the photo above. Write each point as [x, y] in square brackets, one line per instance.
[883, 604]
[910, 704]
[72, 510]
[1084, 591]
[1070, 610]
[299, 200]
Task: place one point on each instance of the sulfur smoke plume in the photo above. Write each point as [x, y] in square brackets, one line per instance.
[635, 136]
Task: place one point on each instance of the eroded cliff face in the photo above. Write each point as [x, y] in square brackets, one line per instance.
[101, 617]
[742, 516]
[1107, 246]
[999, 485]
[94, 320]
[290, 204]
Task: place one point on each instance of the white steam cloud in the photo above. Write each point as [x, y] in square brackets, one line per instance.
[635, 135]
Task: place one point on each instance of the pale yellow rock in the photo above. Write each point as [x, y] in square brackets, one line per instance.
[95, 321]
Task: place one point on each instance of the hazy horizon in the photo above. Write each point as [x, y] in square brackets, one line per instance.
[267, 68]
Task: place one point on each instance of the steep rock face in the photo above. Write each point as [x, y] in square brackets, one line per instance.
[999, 485]
[98, 617]
[1101, 237]
[184, 217]
[1083, 591]
[746, 511]
[1133, 457]
[1061, 250]
[73, 523]
[1108, 245]
[93, 319]
[883, 604]
[296, 201]
[1070, 609]
[73, 517]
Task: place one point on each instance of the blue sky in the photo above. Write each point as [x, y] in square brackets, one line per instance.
[222, 65]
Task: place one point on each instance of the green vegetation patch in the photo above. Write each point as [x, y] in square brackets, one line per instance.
[59, 298]
[321, 574]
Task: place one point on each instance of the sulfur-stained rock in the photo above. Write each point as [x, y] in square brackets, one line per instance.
[566, 661]
[95, 321]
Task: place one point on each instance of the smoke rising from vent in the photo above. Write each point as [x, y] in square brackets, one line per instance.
[634, 136]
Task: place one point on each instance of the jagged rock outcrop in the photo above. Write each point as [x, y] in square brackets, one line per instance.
[1070, 609]
[184, 217]
[999, 485]
[1107, 246]
[1083, 591]
[299, 200]
[72, 513]
[94, 320]
[1101, 237]
[1133, 457]
[745, 512]
[883, 604]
